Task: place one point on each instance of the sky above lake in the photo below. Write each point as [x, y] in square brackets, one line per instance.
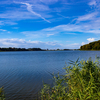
[49, 24]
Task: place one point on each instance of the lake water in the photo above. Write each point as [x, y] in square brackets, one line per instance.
[22, 73]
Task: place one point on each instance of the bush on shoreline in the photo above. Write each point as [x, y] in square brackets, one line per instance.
[81, 82]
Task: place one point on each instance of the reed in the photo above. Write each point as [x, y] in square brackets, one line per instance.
[2, 96]
[81, 82]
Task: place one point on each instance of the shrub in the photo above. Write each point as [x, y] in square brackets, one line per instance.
[81, 82]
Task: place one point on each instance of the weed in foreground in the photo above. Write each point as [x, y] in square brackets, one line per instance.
[2, 96]
[81, 82]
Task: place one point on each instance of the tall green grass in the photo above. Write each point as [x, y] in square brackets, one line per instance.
[2, 96]
[81, 82]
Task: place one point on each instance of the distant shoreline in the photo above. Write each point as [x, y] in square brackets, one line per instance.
[38, 49]
[32, 49]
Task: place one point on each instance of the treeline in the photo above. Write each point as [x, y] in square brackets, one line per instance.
[91, 46]
[32, 49]
[20, 49]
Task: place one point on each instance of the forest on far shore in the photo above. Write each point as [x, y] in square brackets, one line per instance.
[91, 46]
[32, 49]
[20, 49]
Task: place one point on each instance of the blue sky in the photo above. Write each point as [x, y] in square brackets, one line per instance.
[49, 24]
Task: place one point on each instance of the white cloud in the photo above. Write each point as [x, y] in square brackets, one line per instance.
[72, 29]
[23, 11]
[21, 43]
[73, 46]
[28, 44]
[18, 15]
[60, 29]
[62, 15]
[41, 7]
[91, 39]
[7, 22]
[49, 35]
[29, 8]
[93, 2]
[83, 43]
[87, 17]
[94, 31]
[3, 30]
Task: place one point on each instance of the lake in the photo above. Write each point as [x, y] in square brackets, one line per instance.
[22, 73]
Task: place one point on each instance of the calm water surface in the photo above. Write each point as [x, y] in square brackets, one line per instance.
[22, 73]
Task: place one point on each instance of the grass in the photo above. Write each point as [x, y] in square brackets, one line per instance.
[81, 82]
[2, 96]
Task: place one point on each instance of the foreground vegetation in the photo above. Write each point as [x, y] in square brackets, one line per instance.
[2, 96]
[91, 46]
[81, 82]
